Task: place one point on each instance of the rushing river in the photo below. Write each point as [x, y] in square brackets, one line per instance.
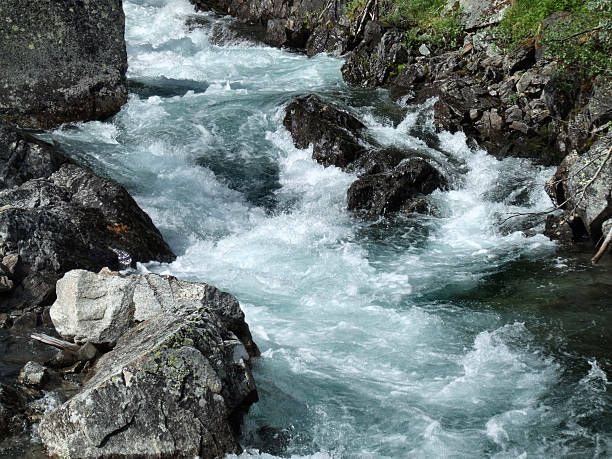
[448, 336]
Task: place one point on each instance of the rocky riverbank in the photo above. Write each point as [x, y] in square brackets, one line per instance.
[514, 101]
[148, 365]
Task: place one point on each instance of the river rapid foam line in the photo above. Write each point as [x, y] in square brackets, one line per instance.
[418, 338]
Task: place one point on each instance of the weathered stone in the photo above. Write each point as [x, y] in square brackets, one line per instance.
[61, 61]
[100, 308]
[90, 310]
[33, 374]
[173, 386]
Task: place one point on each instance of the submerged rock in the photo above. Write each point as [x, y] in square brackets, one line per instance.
[175, 384]
[582, 186]
[391, 180]
[56, 216]
[401, 189]
[333, 132]
[61, 61]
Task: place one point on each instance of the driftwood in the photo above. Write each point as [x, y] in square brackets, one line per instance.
[85, 352]
[602, 248]
[56, 342]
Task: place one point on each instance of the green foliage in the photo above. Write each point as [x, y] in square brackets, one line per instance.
[354, 8]
[524, 18]
[578, 33]
[425, 21]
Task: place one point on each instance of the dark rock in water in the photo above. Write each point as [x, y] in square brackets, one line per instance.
[400, 190]
[582, 186]
[63, 219]
[61, 61]
[331, 130]
[559, 229]
[378, 161]
[175, 385]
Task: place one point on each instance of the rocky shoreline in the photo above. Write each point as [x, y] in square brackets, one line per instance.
[510, 102]
[152, 366]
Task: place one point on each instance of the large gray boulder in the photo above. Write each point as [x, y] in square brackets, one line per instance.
[62, 60]
[56, 216]
[175, 385]
[582, 186]
[100, 308]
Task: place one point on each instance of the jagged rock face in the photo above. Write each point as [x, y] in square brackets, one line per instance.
[99, 308]
[377, 59]
[331, 131]
[65, 218]
[23, 158]
[61, 61]
[582, 186]
[175, 385]
[401, 189]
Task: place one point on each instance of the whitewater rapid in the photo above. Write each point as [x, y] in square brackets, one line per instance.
[371, 343]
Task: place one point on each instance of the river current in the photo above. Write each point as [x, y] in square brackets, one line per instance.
[457, 335]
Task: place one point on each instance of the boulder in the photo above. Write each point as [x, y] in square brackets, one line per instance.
[61, 61]
[333, 132]
[582, 186]
[100, 308]
[175, 385]
[402, 189]
[56, 216]
[22, 158]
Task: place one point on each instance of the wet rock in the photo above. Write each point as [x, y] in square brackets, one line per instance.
[331, 130]
[173, 386]
[582, 186]
[401, 189]
[558, 228]
[61, 62]
[33, 374]
[67, 217]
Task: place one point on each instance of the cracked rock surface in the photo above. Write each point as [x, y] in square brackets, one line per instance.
[175, 385]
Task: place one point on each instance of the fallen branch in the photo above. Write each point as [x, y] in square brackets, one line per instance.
[602, 248]
[56, 342]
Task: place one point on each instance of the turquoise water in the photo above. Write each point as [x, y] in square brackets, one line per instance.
[446, 336]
